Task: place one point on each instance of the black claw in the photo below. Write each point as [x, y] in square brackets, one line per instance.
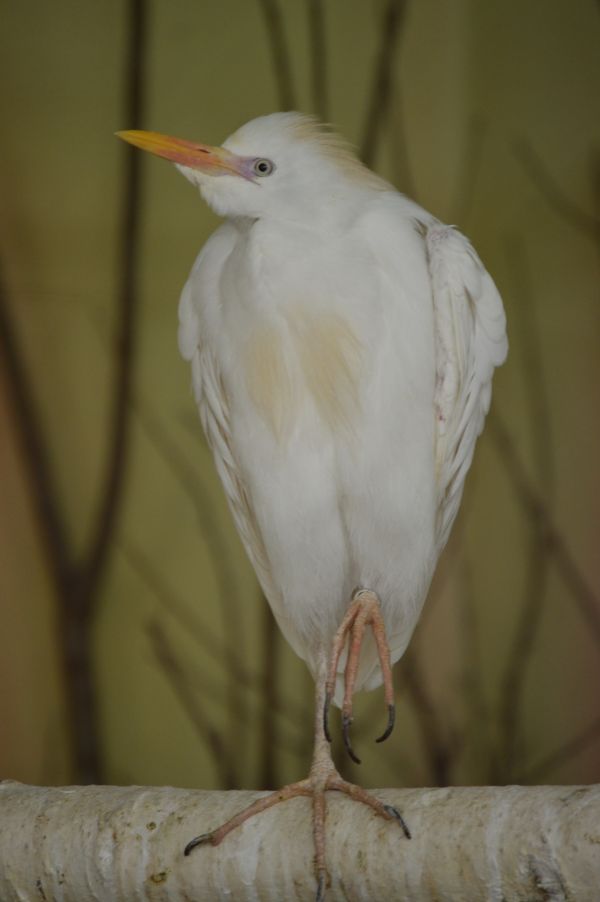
[326, 717]
[321, 883]
[346, 721]
[390, 723]
[197, 841]
[396, 814]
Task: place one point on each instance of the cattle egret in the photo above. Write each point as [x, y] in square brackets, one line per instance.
[342, 343]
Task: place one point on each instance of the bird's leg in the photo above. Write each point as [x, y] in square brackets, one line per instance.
[364, 610]
[323, 777]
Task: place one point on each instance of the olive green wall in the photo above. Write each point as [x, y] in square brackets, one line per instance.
[493, 125]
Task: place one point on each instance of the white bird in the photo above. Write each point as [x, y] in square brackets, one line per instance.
[342, 343]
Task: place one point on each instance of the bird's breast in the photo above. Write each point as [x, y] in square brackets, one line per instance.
[308, 359]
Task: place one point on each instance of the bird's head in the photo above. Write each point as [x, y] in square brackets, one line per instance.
[282, 166]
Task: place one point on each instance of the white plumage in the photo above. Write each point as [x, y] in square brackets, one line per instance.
[342, 344]
[342, 352]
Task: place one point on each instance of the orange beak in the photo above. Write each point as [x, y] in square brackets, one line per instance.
[212, 160]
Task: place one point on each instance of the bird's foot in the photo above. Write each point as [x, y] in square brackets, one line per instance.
[364, 611]
[333, 782]
[302, 788]
[323, 778]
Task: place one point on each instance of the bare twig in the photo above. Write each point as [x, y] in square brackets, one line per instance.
[469, 171]
[519, 657]
[280, 54]
[561, 755]
[381, 91]
[212, 534]
[76, 583]
[208, 640]
[318, 58]
[436, 746]
[223, 759]
[29, 430]
[270, 697]
[585, 597]
[126, 343]
[403, 175]
[189, 479]
[532, 362]
[449, 565]
[211, 644]
[477, 721]
[562, 205]
[78, 605]
[281, 59]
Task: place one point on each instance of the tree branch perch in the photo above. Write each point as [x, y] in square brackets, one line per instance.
[122, 844]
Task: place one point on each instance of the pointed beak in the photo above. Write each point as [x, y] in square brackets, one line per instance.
[211, 160]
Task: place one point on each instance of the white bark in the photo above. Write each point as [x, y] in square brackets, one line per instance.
[113, 844]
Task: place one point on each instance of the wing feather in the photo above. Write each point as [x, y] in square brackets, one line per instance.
[470, 341]
[214, 409]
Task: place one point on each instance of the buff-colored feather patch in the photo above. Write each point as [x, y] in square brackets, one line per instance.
[323, 361]
[268, 380]
[333, 147]
[330, 359]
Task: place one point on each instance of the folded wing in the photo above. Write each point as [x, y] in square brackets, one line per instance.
[470, 339]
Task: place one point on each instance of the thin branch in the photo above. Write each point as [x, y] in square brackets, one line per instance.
[562, 205]
[203, 633]
[281, 60]
[212, 534]
[536, 580]
[318, 58]
[188, 478]
[587, 600]
[519, 657]
[403, 176]
[561, 755]
[210, 643]
[437, 749]
[469, 171]
[532, 361]
[223, 761]
[40, 478]
[381, 91]
[408, 669]
[271, 640]
[126, 345]
[447, 568]
[280, 55]
[477, 721]
[73, 627]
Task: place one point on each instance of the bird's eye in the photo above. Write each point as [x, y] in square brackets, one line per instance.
[263, 167]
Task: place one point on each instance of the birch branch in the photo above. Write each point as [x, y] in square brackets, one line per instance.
[123, 844]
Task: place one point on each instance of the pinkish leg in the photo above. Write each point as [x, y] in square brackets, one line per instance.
[323, 775]
[303, 788]
[383, 649]
[356, 638]
[337, 647]
[358, 794]
[364, 610]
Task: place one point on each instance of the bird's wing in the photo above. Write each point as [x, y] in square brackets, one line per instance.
[212, 402]
[470, 341]
[213, 405]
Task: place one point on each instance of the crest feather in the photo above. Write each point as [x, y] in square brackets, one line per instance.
[331, 145]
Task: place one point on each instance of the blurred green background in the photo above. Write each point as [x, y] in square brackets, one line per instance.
[134, 644]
